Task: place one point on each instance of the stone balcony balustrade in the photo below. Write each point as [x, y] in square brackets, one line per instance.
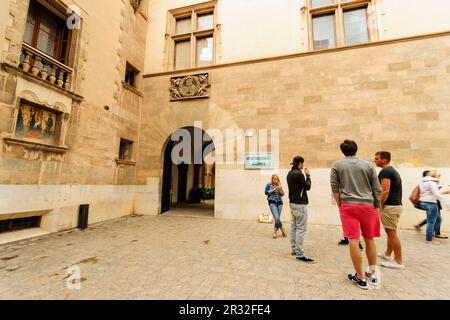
[45, 67]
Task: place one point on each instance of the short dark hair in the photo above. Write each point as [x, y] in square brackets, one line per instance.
[349, 148]
[297, 161]
[384, 155]
[425, 173]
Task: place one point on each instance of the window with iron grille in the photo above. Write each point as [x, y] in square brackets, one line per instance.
[19, 224]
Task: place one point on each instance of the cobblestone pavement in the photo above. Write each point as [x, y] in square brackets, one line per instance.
[173, 257]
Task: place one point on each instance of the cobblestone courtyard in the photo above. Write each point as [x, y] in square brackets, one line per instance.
[176, 257]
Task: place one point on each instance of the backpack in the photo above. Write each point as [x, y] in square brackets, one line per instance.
[415, 196]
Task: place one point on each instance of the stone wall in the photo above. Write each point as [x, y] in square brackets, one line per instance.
[390, 96]
[98, 110]
[281, 29]
[94, 132]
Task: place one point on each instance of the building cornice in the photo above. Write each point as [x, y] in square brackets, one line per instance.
[35, 145]
[301, 54]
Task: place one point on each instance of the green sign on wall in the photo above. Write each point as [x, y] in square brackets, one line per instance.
[258, 161]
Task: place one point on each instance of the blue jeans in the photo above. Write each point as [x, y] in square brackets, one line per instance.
[276, 209]
[299, 227]
[433, 218]
[438, 226]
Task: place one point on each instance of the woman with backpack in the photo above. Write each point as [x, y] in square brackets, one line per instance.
[428, 201]
[274, 192]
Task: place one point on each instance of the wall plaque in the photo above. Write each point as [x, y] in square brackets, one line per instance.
[190, 87]
[258, 161]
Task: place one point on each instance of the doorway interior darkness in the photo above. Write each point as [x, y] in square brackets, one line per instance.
[188, 185]
[167, 178]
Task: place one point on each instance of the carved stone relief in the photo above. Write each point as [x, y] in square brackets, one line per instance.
[190, 87]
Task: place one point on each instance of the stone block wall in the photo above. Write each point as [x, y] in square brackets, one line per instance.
[389, 96]
[99, 111]
[106, 111]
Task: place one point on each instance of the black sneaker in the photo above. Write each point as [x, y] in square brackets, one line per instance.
[343, 242]
[293, 254]
[305, 259]
[361, 247]
[352, 278]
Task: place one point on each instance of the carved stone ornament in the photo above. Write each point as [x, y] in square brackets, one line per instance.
[190, 87]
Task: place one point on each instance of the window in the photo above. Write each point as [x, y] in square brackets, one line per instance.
[11, 225]
[192, 36]
[125, 150]
[324, 32]
[47, 32]
[321, 3]
[131, 75]
[355, 26]
[337, 23]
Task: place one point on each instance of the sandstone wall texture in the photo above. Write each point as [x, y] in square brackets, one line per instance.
[390, 96]
[96, 112]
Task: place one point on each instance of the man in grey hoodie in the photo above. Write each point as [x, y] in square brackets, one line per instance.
[357, 191]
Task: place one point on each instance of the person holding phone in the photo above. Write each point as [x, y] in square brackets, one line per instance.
[274, 192]
[299, 183]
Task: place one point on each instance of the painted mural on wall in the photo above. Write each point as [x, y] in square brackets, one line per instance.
[36, 123]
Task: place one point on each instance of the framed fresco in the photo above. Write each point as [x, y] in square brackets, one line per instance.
[36, 123]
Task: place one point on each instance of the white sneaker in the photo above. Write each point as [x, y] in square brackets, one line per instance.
[372, 279]
[393, 265]
[384, 257]
[373, 275]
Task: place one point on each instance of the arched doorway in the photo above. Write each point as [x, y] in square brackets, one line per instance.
[188, 180]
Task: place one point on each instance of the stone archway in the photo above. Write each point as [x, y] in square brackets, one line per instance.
[184, 173]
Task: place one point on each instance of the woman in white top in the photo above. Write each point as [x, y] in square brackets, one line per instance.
[438, 233]
[429, 195]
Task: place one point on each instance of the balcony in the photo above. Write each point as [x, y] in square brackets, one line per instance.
[43, 66]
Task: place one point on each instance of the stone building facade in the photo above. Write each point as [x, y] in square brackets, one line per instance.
[120, 93]
[91, 105]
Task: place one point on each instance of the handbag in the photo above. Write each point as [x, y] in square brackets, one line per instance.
[265, 218]
[415, 196]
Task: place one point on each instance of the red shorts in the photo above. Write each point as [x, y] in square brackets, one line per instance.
[356, 216]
